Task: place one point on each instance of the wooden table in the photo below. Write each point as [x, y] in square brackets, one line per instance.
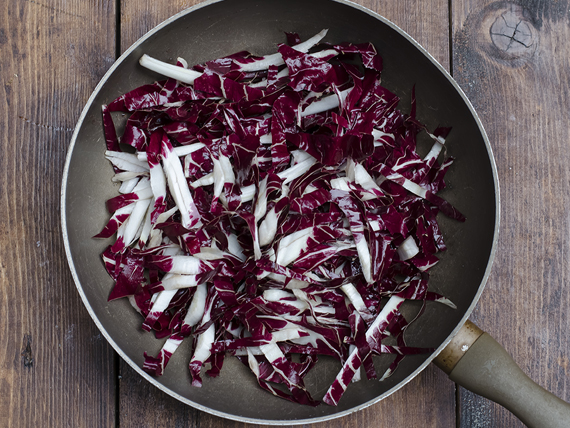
[57, 371]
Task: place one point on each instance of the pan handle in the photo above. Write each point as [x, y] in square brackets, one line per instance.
[474, 360]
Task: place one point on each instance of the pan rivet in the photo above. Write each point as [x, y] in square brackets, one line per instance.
[464, 348]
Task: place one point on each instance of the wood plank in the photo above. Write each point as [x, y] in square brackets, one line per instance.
[55, 368]
[429, 400]
[519, 84]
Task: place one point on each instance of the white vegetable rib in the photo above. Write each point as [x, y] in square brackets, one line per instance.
[128, 185]
[177, 281]
[178, 151]
[185, 265]
[180, 191]
[135, 220]
[169, 70]
[290, 246]
[206, 180]
[276, 59]
[325, 103]
[197, 306]
[126, 161]
[408, 248]
[268, 228]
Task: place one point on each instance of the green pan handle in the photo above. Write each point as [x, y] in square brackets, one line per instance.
[474, 360]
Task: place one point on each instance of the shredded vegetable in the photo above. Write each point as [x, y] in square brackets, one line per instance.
[274, 206]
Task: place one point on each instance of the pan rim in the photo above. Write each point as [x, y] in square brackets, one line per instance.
[116, 347]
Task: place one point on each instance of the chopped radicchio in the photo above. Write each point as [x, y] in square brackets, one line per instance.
[274, 206]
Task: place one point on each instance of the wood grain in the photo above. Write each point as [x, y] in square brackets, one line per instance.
[55, 369]
[512, 60]
[429, 400]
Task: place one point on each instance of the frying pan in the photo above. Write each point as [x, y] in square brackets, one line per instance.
[217, 28]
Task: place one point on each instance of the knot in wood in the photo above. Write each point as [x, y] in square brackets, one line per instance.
[512, 34]
[26, 354]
